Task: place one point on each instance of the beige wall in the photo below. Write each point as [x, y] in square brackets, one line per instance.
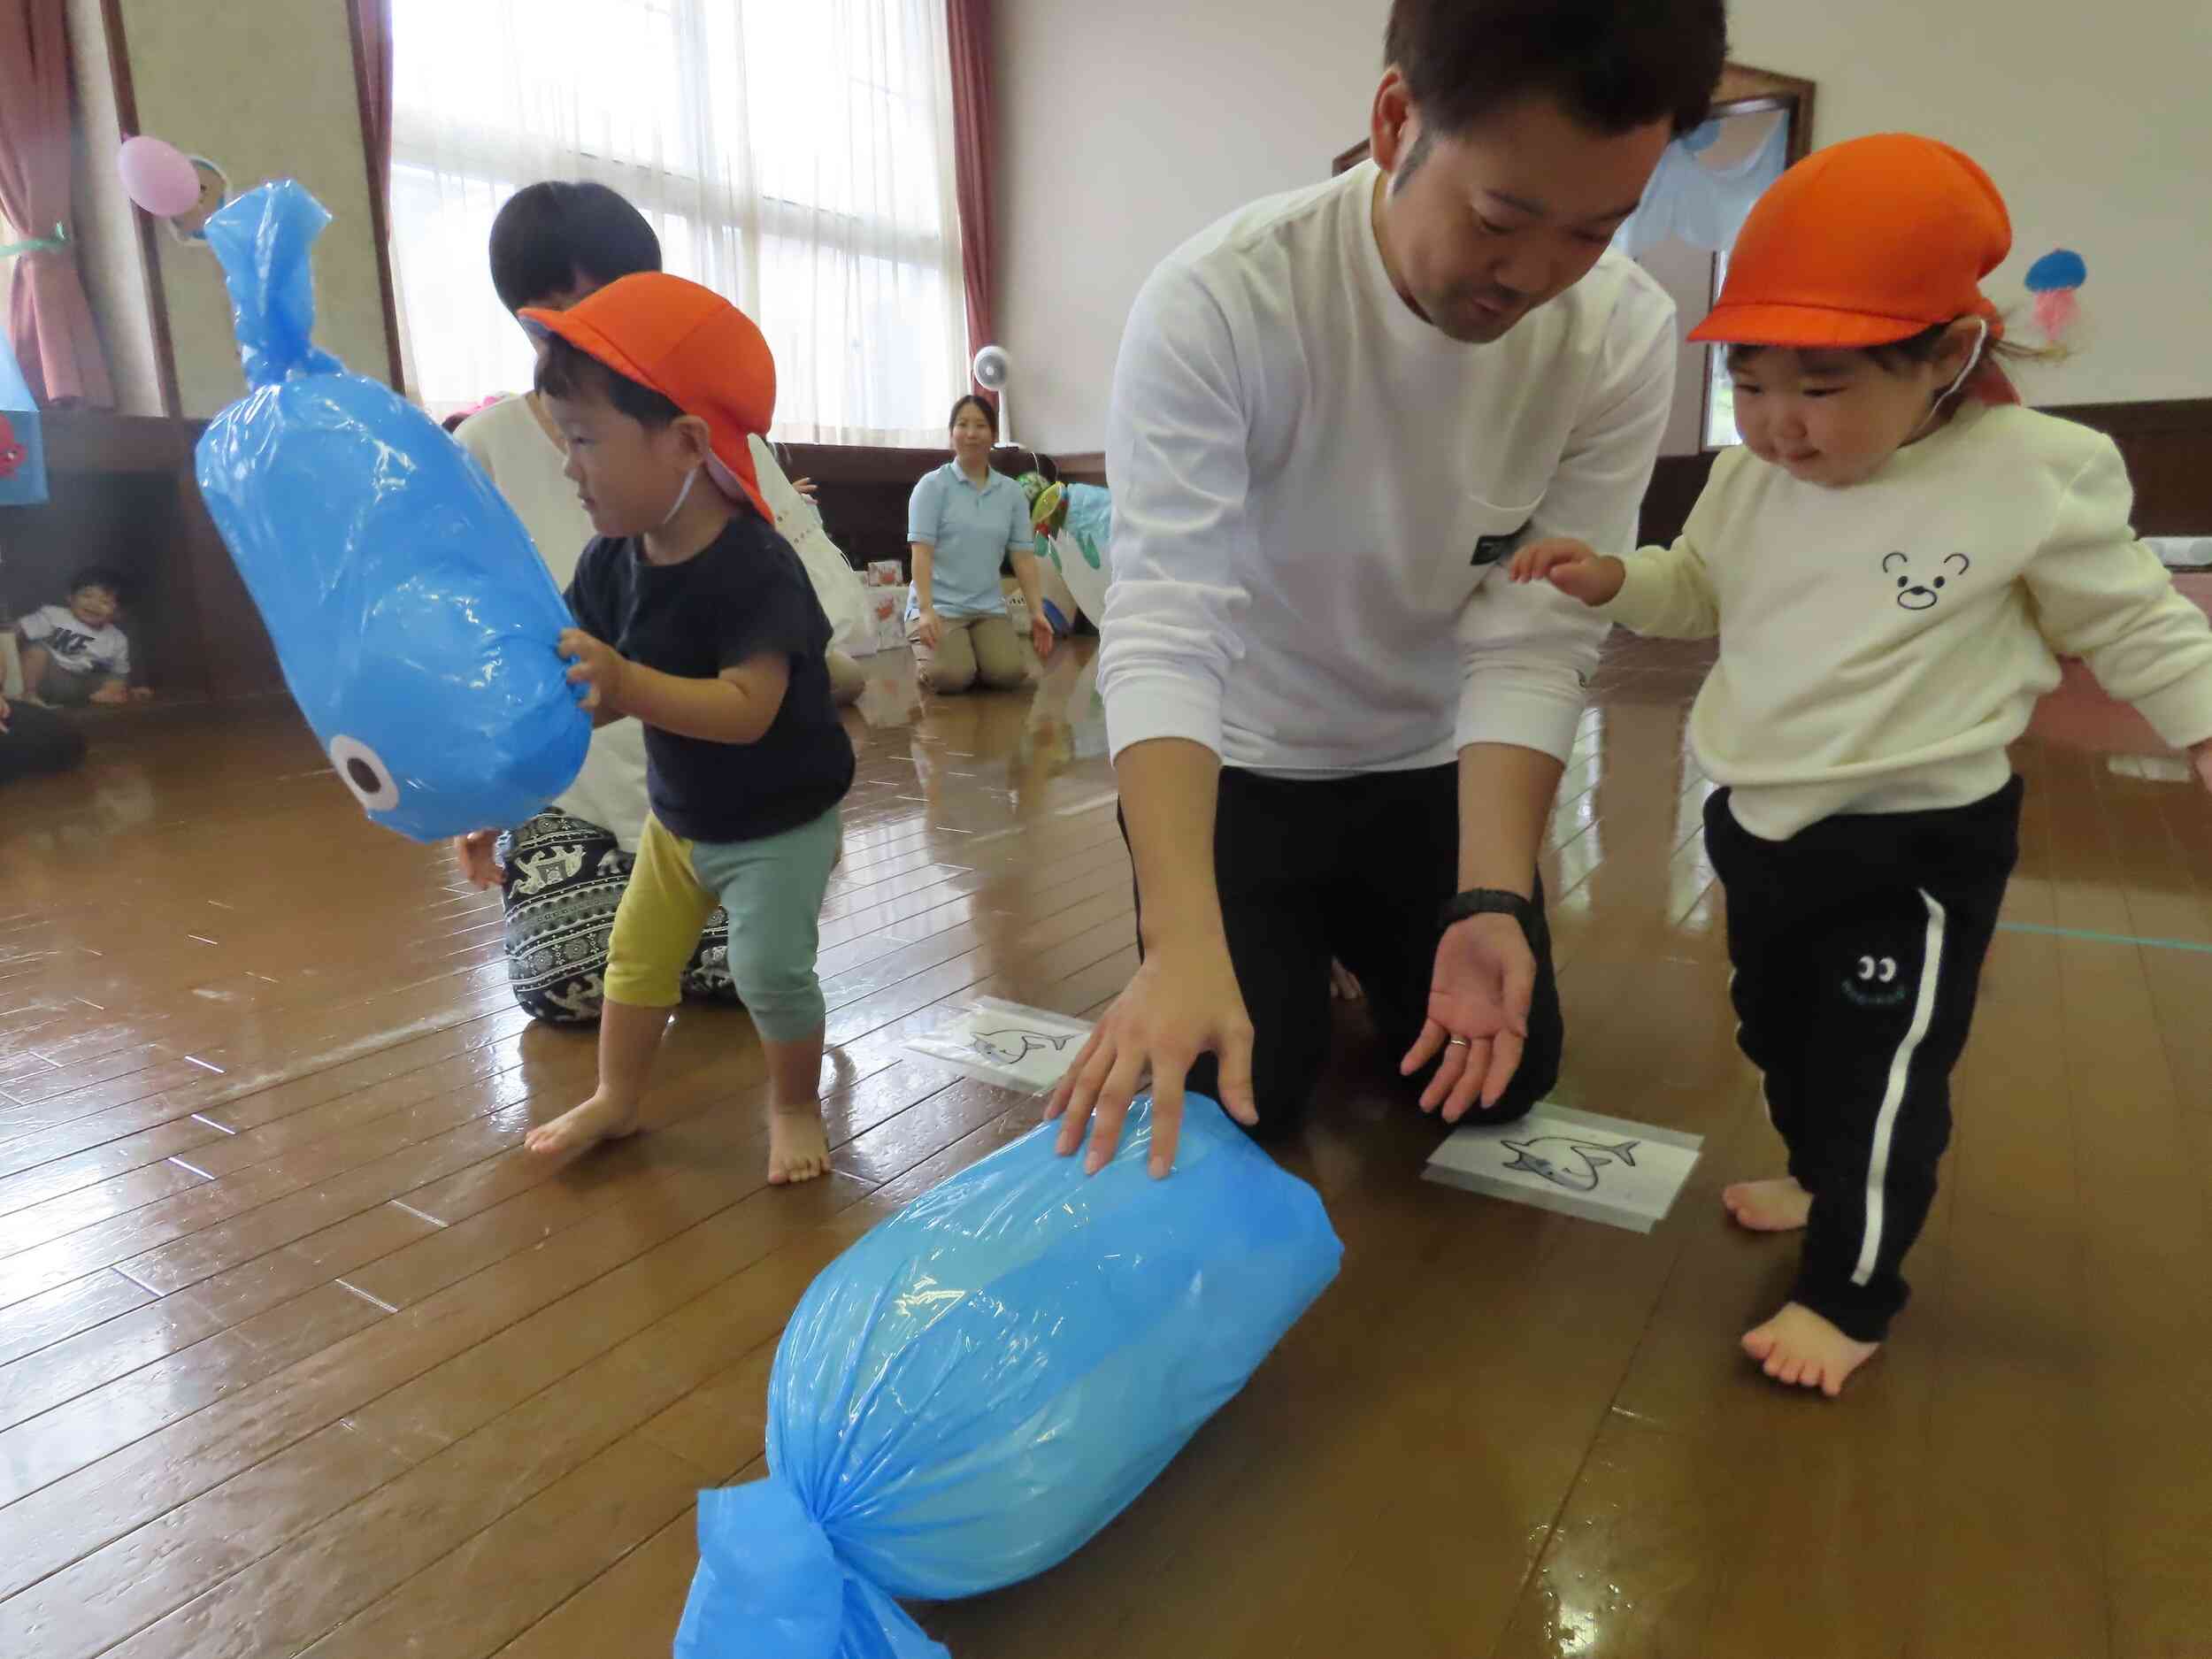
[266, 88]
[1124, 128]
[2095, 120]
[108, 251]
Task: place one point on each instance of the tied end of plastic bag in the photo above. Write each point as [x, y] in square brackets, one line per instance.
[263, 242]
[769, 1585]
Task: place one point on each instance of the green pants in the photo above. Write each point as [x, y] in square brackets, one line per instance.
[771, 889]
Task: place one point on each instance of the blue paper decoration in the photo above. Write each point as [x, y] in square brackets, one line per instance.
[22, 442]
[2061, 268]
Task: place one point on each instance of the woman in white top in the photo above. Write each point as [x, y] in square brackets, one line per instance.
[562, 874]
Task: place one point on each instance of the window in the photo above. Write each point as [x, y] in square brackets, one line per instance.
[795, 157]
[1720, 390]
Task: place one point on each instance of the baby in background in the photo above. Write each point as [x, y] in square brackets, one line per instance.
[1893, 561]
[74, 654]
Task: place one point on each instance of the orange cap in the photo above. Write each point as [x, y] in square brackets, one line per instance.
[694, 349]
[1863, 243]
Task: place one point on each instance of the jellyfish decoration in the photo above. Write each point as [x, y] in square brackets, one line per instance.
[2055, 281]
[417, 629]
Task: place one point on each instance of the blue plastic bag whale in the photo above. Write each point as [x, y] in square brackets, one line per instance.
[970, 1392]
[414, 621]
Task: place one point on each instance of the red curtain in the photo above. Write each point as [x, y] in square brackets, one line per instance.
[376, 75]
[975, 151]
[49, 321]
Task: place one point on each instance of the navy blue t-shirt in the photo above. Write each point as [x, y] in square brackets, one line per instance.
[744, 596]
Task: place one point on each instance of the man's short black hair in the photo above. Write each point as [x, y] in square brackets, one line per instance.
[97, 576]
[566, 372]
[1613, 65]
[551, 237]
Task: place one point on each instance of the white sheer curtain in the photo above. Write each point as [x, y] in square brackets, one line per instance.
[794, 156]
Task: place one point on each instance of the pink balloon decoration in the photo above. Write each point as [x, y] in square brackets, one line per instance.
[156, 176]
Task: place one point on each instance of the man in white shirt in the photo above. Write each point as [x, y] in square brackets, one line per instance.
[1337, 727]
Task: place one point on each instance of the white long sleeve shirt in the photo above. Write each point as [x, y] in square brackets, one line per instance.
[1304, 471]
[1880, 646]
[526, 464]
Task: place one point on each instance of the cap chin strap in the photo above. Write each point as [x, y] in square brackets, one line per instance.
[692, 477]
[1973, 362]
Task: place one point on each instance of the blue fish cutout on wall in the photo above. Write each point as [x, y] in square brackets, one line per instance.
[414, 621]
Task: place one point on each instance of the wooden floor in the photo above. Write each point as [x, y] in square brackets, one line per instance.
[299, 1353]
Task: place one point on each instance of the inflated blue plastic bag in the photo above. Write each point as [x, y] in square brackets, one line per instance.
[987, 1378]
[415, 622]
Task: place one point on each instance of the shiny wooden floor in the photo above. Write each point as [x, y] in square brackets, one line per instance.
[299, 1354]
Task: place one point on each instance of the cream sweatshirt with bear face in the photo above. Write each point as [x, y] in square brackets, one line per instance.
[1881, 645]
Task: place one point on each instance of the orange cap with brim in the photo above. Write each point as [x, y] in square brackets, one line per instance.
[1863, 243]
[694, 349]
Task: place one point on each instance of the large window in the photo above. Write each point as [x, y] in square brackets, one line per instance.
[795, 157]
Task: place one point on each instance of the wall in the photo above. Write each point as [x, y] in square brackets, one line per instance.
[1124, 129]
[2093, 120]
[109, 254]
[266, 88]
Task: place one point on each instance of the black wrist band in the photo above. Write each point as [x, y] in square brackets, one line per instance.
[1489, 902]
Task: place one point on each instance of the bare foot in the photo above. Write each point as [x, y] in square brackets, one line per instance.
[1768, 1206]
[597, 1119]
[1798, 1348]
[798, 1148]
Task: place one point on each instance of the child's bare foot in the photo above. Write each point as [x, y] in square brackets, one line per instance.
[798, 1148]
[1768, 1206]
[597, 1119]
[1798, 1348]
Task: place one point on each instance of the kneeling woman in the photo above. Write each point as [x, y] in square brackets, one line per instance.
[962, 520]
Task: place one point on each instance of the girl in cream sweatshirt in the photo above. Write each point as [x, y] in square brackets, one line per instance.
[1893, 561]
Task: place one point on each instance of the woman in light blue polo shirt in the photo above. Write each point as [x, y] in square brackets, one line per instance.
[963, 520]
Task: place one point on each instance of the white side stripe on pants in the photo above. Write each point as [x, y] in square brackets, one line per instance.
[1894, 1096]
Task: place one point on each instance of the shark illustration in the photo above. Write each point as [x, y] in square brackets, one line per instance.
[1568, 1159]
[1011, 1047]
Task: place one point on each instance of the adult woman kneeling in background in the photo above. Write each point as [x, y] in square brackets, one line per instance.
[963, 520]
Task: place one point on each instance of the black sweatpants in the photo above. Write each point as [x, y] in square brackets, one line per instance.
[1857, 945]
[1357, 868]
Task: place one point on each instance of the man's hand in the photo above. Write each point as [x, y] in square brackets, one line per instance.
[927, 628]
[1479, 1002]
[1575, 568]
[804, 486]
[1182, 1004]
[595, 665]
[1042, 637]
[478, 855]
[2202, 753]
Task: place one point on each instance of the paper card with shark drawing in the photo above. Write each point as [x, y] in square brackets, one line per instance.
[1018, 1047]
[1580, 1163]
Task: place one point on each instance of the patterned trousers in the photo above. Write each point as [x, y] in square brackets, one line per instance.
[562, 882]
